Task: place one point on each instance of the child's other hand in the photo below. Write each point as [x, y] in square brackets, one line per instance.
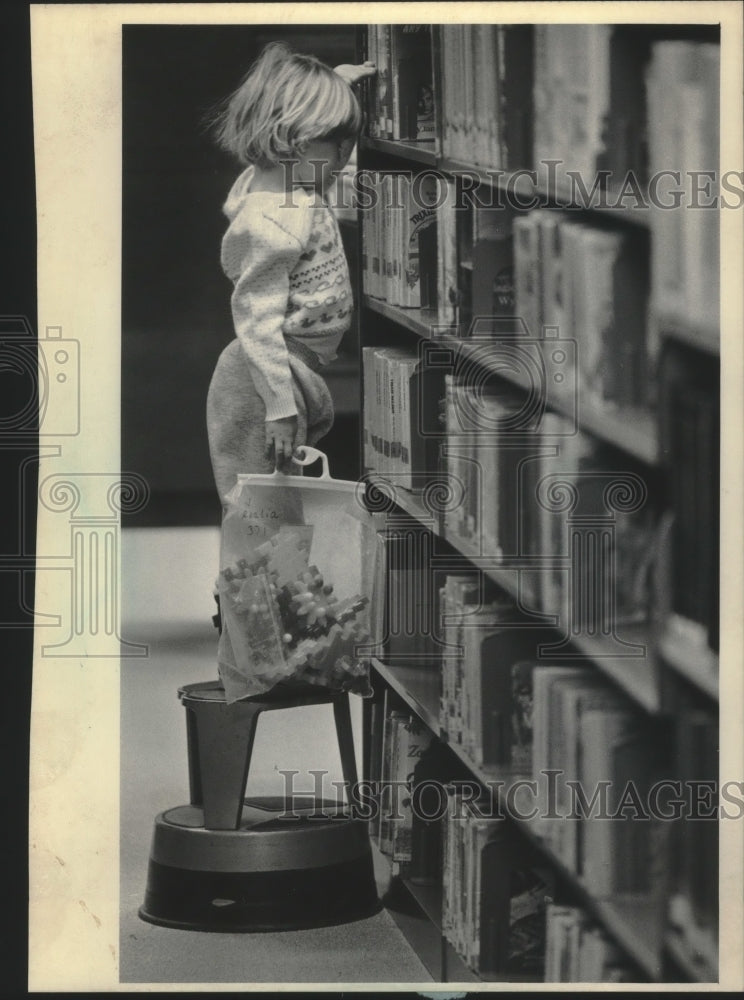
[280, 439]
[353, 74]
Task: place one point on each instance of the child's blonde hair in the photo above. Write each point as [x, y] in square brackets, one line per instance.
[286, 101]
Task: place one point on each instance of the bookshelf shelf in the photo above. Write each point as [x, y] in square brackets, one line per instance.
[701, 338]
[418, 686]
[632, 431]
[429, 898]
[418, 321]
[509, 579]
[419, 152]
[698, 665]
[636, 675]
[522, 190]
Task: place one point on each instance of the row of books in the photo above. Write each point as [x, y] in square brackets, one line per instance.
[509, 459]
[597, 97]
[501, 455]
[405, 606]
[592, 736]
[426, 247]
[400, 102]
[493, 899]
[502, 705]
[399, 239]
[589, 102]
[404, 755]
[683, 99]
[486, 694]
[405, 741]
[402, 415]
[516, 96]
[487, 101]
[494, 891]
[579, 951]
[591, 285]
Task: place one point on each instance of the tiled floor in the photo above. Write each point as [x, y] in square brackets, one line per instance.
[167, 603]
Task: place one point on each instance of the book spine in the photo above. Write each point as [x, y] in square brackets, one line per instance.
[494, 708]
[373, 93]
[458, 104]
[384, 81]
[668, 68]
[395, 60]
[385, 768]
[399, 240]
[599, 730]
[368, 385]
[374, 236]
[379, 414]
[552, 295]
[527, 274]
[394, 394]
[399, 841]
[544, 147]
[408, 429]
[447, 290]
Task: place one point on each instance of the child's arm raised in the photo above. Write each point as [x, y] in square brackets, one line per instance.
[353, 74]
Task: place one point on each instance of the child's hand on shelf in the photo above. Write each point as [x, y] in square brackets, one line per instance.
[353, 74]
[280, 440]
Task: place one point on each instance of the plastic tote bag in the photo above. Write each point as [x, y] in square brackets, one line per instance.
[296, 572]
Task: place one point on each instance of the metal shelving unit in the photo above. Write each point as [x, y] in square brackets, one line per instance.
[637, 924]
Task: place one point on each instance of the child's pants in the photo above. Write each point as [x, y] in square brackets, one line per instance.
[236, 414]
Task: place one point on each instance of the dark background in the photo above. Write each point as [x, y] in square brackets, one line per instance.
[17, 298]
[175, 299]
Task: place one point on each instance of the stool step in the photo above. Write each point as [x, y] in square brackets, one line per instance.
[220, 742]
[276, 875]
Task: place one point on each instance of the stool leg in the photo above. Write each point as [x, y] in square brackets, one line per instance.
[192, 745]
[224, 745]
[342, 716]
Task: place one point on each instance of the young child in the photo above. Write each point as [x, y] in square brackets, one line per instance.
[293, 123]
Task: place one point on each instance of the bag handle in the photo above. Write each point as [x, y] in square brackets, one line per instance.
[310, 455]
[304, 455]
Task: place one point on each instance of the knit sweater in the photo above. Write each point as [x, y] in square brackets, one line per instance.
[284, 255]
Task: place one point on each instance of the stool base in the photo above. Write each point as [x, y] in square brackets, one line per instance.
[292, 864]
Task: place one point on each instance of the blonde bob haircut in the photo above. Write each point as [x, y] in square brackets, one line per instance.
[286, 101]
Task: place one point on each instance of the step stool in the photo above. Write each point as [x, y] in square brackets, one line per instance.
[229, 863]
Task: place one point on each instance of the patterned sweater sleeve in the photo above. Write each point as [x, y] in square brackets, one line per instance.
[269, 250]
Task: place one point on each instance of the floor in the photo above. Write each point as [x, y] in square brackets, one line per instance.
[167, 603]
